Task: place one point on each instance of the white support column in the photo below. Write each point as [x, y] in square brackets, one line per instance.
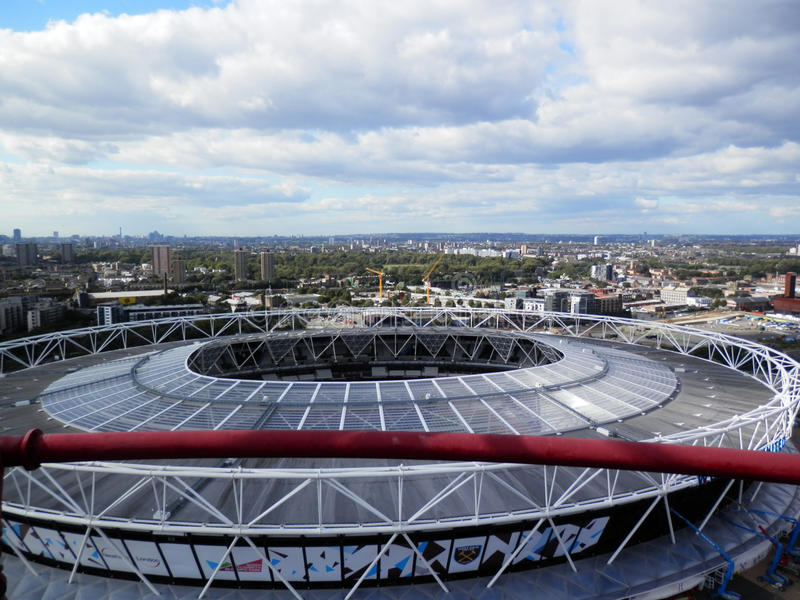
[78, 555]
[514, 554]
[633, 530]
[353, 497]
[65, 497]
[563, 546]
[127, 560]
[426, 563]
[669, 518]
[193, 497]
[275, 505]
[451, 487]
[274, 571]
[716, 505]
[19, 554]
[217, 568]
[371, 565]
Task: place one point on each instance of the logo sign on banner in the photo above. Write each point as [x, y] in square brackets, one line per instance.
[466, 554]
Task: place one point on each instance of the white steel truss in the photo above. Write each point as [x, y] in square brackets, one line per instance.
[73, 495]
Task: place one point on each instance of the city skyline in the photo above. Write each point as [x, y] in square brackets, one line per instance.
[258, 119]
[156, 238]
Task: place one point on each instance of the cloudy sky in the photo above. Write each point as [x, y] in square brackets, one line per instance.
[255, 117]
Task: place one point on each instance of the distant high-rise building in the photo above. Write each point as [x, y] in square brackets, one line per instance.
[161, 263]
[12, 314]
[44, 312]
[596, 240]
[110, 313]
[523, 249]
[240, 265]
[790, 282]
[602, 272]
[55, 234]
[267, 266]
[66, 253]
[17, 236]
[557, 300]
[788, 303]
[179, 270]
[26, 254]
[581, 302]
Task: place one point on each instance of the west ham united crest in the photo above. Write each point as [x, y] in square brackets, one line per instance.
[466, 554]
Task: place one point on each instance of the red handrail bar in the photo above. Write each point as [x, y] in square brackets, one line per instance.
[34, 448]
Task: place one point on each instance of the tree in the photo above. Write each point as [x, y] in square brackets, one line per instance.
[707, 292]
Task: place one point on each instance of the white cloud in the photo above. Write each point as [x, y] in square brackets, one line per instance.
[646, 204]
[412, 115]
[273, 65]
[783, 212]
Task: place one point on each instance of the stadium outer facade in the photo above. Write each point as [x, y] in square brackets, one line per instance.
[324, 523]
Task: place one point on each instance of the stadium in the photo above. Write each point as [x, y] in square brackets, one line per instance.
[333, 527]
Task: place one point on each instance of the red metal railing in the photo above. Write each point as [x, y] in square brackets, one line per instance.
[35, 448]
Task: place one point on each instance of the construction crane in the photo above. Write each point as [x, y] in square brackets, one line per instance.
[380, 275]
[427, 279]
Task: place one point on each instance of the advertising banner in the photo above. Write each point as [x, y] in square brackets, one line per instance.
[288, 562]
[89, 556]
[398, 561]
[55, 544]
[357, 559]
[324, 563]
[213, 558]
[184, 559]
[12, 535]
[114, 554]
[250, 565]
[180, 559]
[147, 557]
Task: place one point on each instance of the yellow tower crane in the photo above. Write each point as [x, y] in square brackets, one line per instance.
[380, 275]
[427, 279]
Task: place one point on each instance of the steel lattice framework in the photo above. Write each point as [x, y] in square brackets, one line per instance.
[778, 372]
[382, 499]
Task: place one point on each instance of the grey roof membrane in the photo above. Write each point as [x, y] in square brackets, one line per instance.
[589, 385]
